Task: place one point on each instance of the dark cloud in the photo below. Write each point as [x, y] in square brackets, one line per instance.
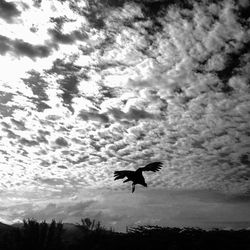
[53, 117]
[10, 133]
[245, 159]
[33, 29]
[70, 90]
[80, 159]
[59, 21]
[117, 114]
[5, 45]
[233, 64]
[110, 3]
[5, 97]
[60, 67]
[24, 6]
[108, 92]
[21, 48]
[244, 12]
[19, 124]
[43, 132]
[26, 49]
[69, 83]
[62, 167]
[132, 114]
[40, 105]
[138, 114]
[28, 143]
[37, 84]
[44, 163]
[79, 35]
[93, 116]
[95, 145]
[4, 152]
[59, 37]
[37, 3]
[8, 11]
[6, 125]
[61, 142]
[42, 139]
[156, 8]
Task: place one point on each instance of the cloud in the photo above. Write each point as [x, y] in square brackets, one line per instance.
[32, 51]
[37, 84]
[8, 11]
[151, 81]
[19, 124]
[68, 79]
[94, 12]
[62, 67]
[10, 133]
[59, 37]
[94, 116]
[69, 87]
[132, 114]
[37, 3]
[21, 48]
[117, 115]
[5, 98]
[27, 142]
[61, 142]
[4, 47]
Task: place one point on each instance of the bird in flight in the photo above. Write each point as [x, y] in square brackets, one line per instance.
[136, 176]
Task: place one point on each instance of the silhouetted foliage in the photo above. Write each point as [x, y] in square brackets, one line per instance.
[34, 235]
[90, 234]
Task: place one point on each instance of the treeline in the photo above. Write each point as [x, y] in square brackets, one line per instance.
[89, 234]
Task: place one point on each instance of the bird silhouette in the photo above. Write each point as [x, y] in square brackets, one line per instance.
[136, 176]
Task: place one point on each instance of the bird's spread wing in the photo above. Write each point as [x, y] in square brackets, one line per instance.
[154, 166]
[123, 174]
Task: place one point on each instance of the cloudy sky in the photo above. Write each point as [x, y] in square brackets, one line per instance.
[90, 87]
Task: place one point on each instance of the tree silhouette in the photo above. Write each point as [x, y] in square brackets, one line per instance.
[91, 235]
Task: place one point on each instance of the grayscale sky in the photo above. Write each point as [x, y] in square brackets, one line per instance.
[90, 87]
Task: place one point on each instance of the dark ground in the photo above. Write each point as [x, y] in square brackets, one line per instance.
[91, 235]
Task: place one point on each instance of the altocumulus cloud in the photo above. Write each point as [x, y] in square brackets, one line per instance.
[133, 83]
[8, 11]
[21, 48]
